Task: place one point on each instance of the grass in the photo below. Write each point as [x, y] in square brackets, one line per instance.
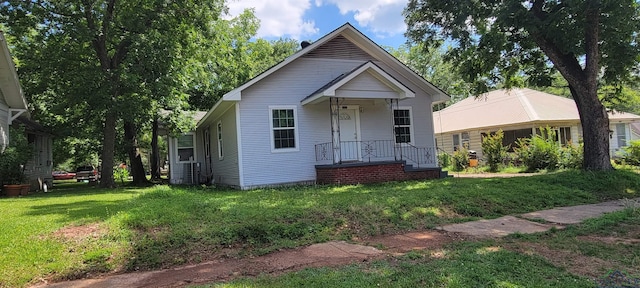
[509, 262]
[78, 230]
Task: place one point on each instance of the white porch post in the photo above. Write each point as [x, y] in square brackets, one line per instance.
[335, 129]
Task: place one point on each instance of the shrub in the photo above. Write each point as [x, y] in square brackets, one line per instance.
[444, 159]
[460, 159]
[15, 157]
[539, 152]
[632, 153]
[494, 152]
[572, 157]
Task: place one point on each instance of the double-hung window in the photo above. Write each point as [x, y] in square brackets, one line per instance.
[185, 147]
[402, 125]
[461, 140]
[284, 133]
[621, 135]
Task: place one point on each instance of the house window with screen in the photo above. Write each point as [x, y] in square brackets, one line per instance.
[402, 125]
[456, 142]
[461, 141]
[283, 129]
[186, 151]
[621, 133]
[220, 151]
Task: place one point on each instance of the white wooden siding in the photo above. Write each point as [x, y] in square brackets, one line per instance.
[365, 82]
[339, 48]
[289, 86]
[225, 170]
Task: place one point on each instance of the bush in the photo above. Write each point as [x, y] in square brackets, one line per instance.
[493, 151]
[460, 159]
[571, 157]
[632, 153]
[15, 157]
[444, 159]
[539, 152]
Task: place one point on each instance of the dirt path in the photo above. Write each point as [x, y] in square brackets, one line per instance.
[330, 254]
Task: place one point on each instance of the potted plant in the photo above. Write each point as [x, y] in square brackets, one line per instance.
[12, 163]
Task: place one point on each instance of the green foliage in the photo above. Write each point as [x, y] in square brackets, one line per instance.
[444, 159]
[15, 157]
[432, 65]
[460, 159]
[493, 151]
[571, 157]
[539, 152]
[498, 42]
[121, 174]
[632, 153]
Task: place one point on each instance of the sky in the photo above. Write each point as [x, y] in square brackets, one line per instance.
[380, 20]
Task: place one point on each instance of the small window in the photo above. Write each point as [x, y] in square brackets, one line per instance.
[621, 133]
[465, 140]
[284, 129]
[186, 152]
[402, 122]
[220, 150]
[456, 142]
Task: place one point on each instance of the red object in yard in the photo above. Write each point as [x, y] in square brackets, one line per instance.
[63, 175]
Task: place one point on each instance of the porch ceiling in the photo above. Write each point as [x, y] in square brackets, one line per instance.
[393, 88]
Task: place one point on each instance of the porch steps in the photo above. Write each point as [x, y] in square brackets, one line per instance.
[409, 168]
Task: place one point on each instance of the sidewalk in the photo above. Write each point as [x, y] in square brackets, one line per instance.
[338, 253]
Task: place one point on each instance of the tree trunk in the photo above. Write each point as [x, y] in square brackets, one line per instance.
[583, 83]
[108, 146]
[155, 156]
[595, 129]
[135, 160]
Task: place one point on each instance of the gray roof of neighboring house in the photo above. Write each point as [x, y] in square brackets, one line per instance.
[509, 107]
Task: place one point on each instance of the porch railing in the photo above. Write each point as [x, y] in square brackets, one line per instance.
[374, 150]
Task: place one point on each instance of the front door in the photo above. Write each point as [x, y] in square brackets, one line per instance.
[349, 133]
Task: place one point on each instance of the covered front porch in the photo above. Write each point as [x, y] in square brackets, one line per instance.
[376, 134]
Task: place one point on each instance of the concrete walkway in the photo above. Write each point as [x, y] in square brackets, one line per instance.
[340, 253]
[557, 217]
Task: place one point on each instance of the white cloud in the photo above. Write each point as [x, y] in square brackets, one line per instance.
[383, 17]
[278, 18]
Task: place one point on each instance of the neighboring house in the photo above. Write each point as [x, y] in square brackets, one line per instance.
[341, 110]
[519, 113]
[14, 111]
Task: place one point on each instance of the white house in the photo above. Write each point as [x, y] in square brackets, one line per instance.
[519, 113]
[14, 111]
[340, 110]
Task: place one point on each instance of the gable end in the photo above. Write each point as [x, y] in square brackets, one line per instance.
[340, 48]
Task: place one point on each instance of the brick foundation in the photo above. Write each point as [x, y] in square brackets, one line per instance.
[362, 173]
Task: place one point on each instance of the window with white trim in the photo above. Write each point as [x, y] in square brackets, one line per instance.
[219, 132]
[185, 147]
[461, 140]
[402, 125]
[621, 134]
[283, 129]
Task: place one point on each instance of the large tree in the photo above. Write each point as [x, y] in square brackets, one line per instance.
[497, 41]
[431, 64]
[104, 62]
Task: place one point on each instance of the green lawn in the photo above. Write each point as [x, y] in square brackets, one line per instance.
[78, 230]
[507, 262]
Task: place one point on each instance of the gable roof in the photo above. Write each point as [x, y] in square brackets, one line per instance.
[504, 107]
[329, 89]
[362, 42]
[9, 84]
